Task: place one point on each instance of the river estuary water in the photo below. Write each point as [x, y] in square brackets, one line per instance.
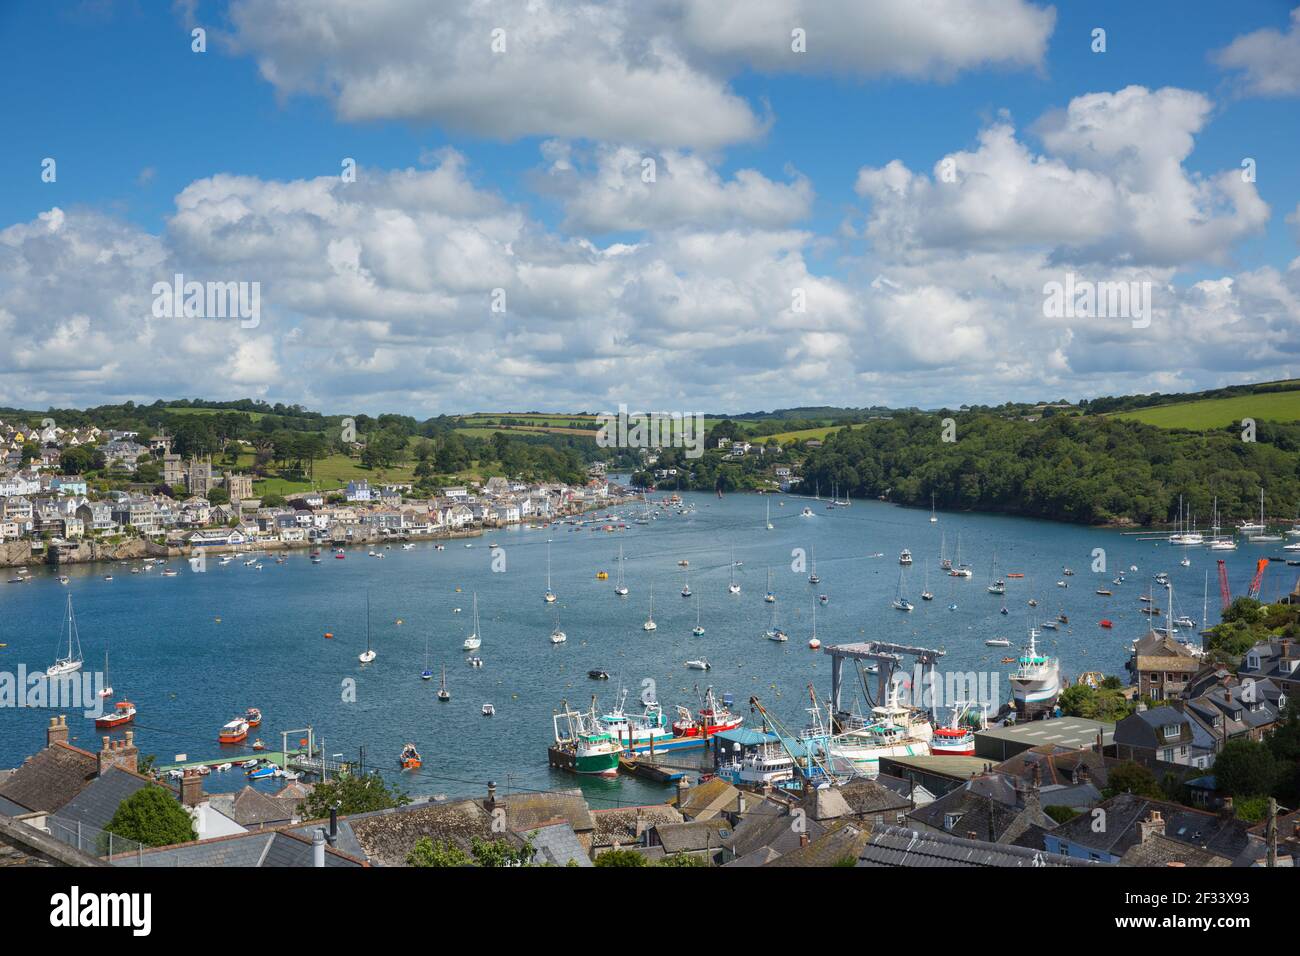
[196, 650]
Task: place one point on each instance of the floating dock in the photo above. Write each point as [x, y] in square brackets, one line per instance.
[649, 771]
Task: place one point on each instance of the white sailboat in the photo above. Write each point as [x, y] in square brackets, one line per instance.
[733, 587]
[926, 595]
[557, 635]
[650, 624]
[549, 597]
[901, 603]
[698, 629]
[368, 654]
[473, 642]
[1250, 527]
[686, 588]
[73, 660]
[813, 578]
[444, 695]
[769, 514]
[770, 596]
[774, 633]
[933, 516]
[620, 588]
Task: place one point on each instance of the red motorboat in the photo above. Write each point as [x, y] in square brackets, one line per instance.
[123, 713]
[712, 718]
[1106, 623]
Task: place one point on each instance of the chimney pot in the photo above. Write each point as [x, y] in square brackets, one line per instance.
[57, 732]
[318, 847]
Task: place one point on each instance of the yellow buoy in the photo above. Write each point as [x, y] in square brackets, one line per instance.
[217, 620]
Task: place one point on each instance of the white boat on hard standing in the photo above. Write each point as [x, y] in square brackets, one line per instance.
[1037, 681]
[890, 730]
[473, 642]
[72, 660]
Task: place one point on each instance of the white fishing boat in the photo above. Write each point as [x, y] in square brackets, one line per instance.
[72, 660]
[891, 730]
[1037, 681]
[473, 642]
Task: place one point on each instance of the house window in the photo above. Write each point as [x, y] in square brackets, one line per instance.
[1171, 731]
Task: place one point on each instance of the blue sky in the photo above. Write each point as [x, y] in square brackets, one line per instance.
[134, 118]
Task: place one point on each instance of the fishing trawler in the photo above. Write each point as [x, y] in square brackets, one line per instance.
[712, 718]
[957, 737]
[762, 766]
[1037, 681]
[582, 744]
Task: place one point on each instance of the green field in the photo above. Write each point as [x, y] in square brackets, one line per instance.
[1217, 412]
[803, 434]
[253, 416]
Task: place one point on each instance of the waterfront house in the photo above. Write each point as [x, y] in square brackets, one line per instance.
[96, 517]
[215, 537]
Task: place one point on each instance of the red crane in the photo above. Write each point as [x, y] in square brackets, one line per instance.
[1225, 593]
[1258, 579]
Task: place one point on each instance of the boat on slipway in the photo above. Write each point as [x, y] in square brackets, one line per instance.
[1037, 681]
[890, 730]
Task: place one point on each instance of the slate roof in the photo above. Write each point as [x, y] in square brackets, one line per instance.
[50, 778]
[526, 811]
[843, 840]
[261, 848]
[252, 808]
[873, 797]
[1225, 836]
[557, 845]
[1159, 850]
[1057, 765]
[709, 799]
[22, 846]
[98, 801]
[770, 824]
[387, 836]
[899, 846]
[695, 835]
[618, 824]
[988, 806]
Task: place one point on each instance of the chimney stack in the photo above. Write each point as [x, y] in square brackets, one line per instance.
[318, 847]
[492, 795]
[122, 754]
[57, 732]
[191, 788]
[1153, 825]
[334, 824]
[683, 785]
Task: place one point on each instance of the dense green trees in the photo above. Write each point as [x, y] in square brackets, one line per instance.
[152, 816]
[1069, 468]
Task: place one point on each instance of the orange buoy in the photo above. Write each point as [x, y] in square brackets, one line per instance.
[329, 634]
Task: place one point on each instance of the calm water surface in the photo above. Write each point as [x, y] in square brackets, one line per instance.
[195, 650]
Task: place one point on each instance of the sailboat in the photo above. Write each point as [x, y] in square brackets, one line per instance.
[444, 694]
[650, 624]
[959, 570]
[996, 584]
[901, 603]
[473, 642]
[769, 514]
[557, 635]
[813, 578]
[933, 516]
[770, 596]
[549, 597]
[686, 588]
[368, 654]
[620, 588]
[814, 641]
[926, 595]
[108, 686]
[73, 660]
[426, 674]
[733, 587]
[774, 633]
[698, 629]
